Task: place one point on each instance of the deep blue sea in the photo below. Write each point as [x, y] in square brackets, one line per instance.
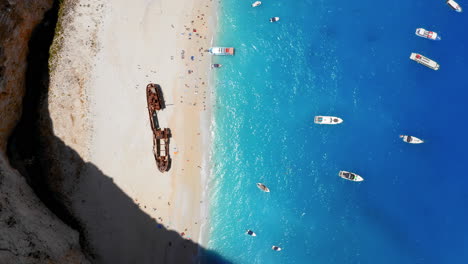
[348, 59]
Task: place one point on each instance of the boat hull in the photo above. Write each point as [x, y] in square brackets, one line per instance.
[356, 178]
[257, 3]
[421, 32]
[327, 120]
[425, 61]
[411, 139]
[262, 187]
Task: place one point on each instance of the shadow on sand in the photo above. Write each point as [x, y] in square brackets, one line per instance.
[113, 229]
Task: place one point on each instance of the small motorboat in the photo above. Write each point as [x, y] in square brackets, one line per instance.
[350, 176]
[262, 187]
[274, 19]
[257, 3]
[421, 32]
[327, 120]
[250, 233]
[411, 139]
[276, 248]
[216, 65]
[454, 5]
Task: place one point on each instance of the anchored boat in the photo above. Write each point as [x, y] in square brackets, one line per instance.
[327, 120]
[250, 233]
[411, 139]
[276, 248]
[421, 32]
[221, 51]
[350, 176]
[454, 5]
[424, 61]
[262, 187]
[256, 3]
[274, 19]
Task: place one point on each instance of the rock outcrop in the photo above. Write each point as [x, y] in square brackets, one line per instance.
[29, 231]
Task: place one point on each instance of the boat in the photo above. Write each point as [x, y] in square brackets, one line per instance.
[274, 19]
[256, 3]
[350, 176]
[424, 61]
[262, 187]
[155, 101]
[216, 65]
[221, 51]
[276, 248]
[250, 233]
[454, 5]
[327, 120]
[421, 32]
[411, 139]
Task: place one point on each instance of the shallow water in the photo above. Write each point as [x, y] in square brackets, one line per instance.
[349, 59]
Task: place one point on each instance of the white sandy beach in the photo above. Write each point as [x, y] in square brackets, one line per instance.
[139, 42]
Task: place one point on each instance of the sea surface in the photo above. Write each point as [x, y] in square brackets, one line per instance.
[348, 59]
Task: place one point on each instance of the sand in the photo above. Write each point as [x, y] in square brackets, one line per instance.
[104, 54]
[143, 42]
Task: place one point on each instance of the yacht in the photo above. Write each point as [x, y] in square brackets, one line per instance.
[250, 233]
[221, 51]
[262, 187]
[424, 61]
[256, 3]
[454, 5]
[327, 120]
[421, 32]
[274, 19]
[276, 248]
[350, 176]
[411, 139]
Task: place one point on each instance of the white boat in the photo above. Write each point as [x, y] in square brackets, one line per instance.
[327, 120]
[421, 32]
[411, 139]
[350, 176]
[262, 187]
[276, 248]
[221, 51]
[274, 19]
[424, 61]
[454, 5]
[250, 233]
[257, 3]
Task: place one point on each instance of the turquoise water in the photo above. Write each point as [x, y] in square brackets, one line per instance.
[347, 59]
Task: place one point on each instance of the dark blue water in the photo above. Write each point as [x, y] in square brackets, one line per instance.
[348, 59]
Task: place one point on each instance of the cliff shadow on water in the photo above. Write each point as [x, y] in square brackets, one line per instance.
[113, 229]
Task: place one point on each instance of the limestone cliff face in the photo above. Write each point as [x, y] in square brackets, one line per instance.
[29, 232]
[17, 21]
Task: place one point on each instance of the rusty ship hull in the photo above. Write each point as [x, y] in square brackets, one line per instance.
[161, 137]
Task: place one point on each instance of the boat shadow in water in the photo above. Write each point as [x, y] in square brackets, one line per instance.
[112, 227]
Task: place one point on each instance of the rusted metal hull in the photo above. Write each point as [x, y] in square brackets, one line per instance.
[160, 136]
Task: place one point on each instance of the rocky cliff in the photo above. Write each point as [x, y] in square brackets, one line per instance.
[29, 231]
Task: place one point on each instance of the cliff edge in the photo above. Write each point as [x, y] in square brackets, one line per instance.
[29, 231]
